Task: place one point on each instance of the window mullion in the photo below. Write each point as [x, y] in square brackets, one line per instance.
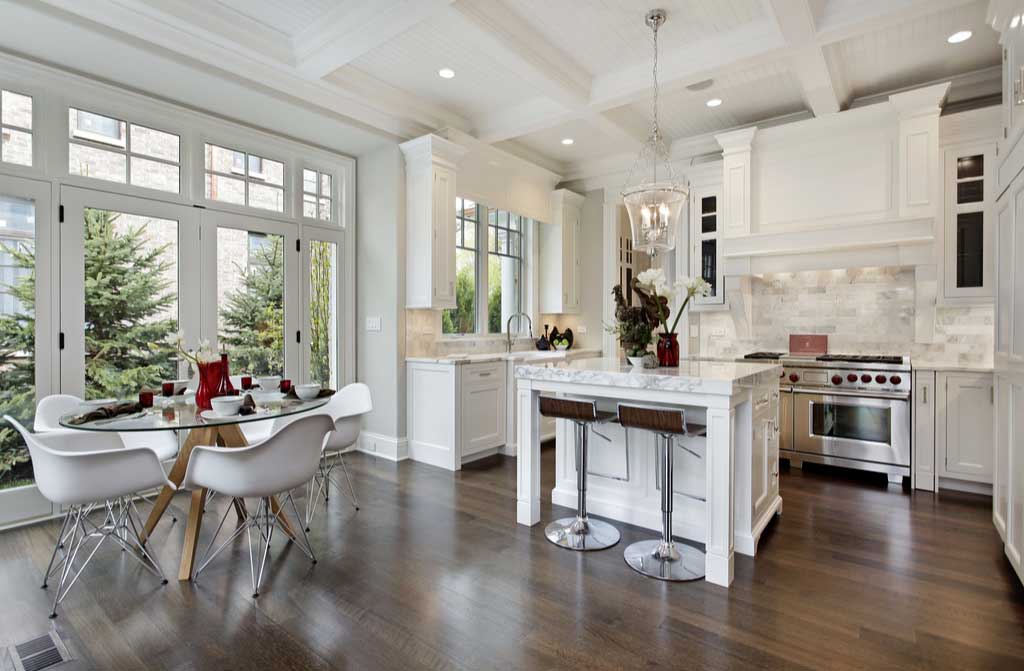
[482, 267]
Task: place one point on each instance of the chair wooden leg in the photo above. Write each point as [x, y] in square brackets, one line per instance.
[195, 522]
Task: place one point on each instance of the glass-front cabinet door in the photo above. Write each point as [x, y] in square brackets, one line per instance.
[969, 252]
[124, 295]
[706, 240]
[26, 336]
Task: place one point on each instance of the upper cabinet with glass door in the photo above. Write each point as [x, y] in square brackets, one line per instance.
[706, 243]
[968, 250]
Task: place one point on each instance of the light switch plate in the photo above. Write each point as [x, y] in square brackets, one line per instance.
[373, 324]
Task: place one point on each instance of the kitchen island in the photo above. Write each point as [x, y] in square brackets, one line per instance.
[726, 483]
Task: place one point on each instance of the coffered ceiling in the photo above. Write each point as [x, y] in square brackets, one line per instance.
[531, 73]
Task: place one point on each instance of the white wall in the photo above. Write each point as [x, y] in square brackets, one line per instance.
[380, 272]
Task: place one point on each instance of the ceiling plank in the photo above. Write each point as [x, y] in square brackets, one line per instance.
[356, 27]
[822, 93]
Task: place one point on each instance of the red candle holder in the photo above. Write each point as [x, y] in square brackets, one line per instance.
[146, 398]
[246, 382]
[286, 386]
[167, 389]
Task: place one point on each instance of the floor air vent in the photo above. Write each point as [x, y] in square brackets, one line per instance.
[40, 653]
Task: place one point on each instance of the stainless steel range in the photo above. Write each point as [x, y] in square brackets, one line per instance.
[845, 410]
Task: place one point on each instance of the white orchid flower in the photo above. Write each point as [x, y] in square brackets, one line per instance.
[651, 277]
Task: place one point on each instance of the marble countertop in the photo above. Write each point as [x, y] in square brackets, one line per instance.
[521, 355]
[950, 366]
[692, 375]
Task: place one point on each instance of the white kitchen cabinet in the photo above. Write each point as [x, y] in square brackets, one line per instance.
[964, 423]
[968, 250]
[923, 447]
[430, 179]
[560, 255]
[706, 259]
[1001, 458]
[456, 411]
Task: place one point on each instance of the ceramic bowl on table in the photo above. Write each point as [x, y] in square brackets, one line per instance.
[226, 406]
[307, 392]
[266, 399]
[269, 382]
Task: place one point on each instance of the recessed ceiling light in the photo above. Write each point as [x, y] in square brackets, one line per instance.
[567, 141]
[714, 102]
[959, 36]
[446, 73]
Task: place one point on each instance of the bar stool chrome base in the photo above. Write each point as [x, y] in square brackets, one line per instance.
[672, 562]
[582, 535]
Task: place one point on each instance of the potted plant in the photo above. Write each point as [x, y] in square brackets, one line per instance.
[656, 293]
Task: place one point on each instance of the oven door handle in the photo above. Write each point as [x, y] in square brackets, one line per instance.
[838, 392]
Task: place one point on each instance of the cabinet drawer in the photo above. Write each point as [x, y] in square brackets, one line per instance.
[480, 372]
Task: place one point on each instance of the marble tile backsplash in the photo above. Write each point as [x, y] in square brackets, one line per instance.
[862, 310]
[423, 338]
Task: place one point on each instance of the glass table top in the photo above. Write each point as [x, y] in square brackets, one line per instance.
[168, 416]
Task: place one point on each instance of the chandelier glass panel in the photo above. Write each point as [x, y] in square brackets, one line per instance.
[653, 196]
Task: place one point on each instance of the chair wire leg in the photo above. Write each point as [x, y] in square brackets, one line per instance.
[305, 545]
[267, 538]
[56, 546]
[207, 557]
[348, 479]
[79, 542]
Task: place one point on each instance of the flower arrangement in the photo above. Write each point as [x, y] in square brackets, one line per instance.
[661, 293]
[204, 354]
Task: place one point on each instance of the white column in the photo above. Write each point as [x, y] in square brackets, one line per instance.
[718, 460]
[528, 459]
[737, 148]
[920, 168]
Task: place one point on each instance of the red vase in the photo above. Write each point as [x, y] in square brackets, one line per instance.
[225, 388]
[209, 384]
[668, 349]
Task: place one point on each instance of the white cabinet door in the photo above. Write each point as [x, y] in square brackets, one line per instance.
[483, 407]
[444, 237]
[1001, 458]
[559, 255]
[965, 426]
[924, 430]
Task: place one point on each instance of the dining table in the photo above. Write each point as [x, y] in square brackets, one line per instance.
[203, 427]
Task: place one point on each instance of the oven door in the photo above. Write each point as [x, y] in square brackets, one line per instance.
[852, 427]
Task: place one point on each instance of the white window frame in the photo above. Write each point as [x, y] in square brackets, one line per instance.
[524, 223]
[31, 131]
[332, 196]
[247, 179]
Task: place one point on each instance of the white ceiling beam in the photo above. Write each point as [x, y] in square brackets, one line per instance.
[354, 28]
[527, 117]
[823, 93]
[515, 44]
[842, 19]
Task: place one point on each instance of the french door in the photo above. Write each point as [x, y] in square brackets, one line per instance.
[323, 352]
[27, 372]
[128, 284]
[250, 292]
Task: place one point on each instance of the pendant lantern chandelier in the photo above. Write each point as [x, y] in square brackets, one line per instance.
[653, 197]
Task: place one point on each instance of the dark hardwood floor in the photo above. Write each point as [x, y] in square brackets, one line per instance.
[433, 573]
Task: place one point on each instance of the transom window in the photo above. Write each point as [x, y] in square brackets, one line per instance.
[106, 148]
[316, 195]
[15, 128]
[240, 178]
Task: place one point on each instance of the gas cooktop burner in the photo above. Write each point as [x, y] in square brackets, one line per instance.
[764, 355]
[862, 358]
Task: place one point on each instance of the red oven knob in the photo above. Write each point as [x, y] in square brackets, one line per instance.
[852, 377]
[880, 379]
[793, 377]
[865, 378]
[895, 379]
[836, 379]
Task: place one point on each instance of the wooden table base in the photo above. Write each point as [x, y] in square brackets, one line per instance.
[225, 435]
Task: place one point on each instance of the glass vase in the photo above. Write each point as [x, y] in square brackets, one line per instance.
[209, 384]
[668, 349]
[225, 388]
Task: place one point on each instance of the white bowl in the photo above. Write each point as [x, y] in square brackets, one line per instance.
[269, 383]
[226, 406]
[307, 392]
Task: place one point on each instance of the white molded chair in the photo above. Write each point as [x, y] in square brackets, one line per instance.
[51, 409]
[85, 471]
[346, 409]
[269, 468]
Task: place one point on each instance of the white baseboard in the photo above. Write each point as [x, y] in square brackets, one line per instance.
[965, 486]
[391, 448]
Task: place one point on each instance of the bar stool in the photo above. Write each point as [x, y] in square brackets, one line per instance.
[663, 559]
[579, 533]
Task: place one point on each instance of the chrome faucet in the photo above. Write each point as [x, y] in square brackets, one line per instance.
[508, 330]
